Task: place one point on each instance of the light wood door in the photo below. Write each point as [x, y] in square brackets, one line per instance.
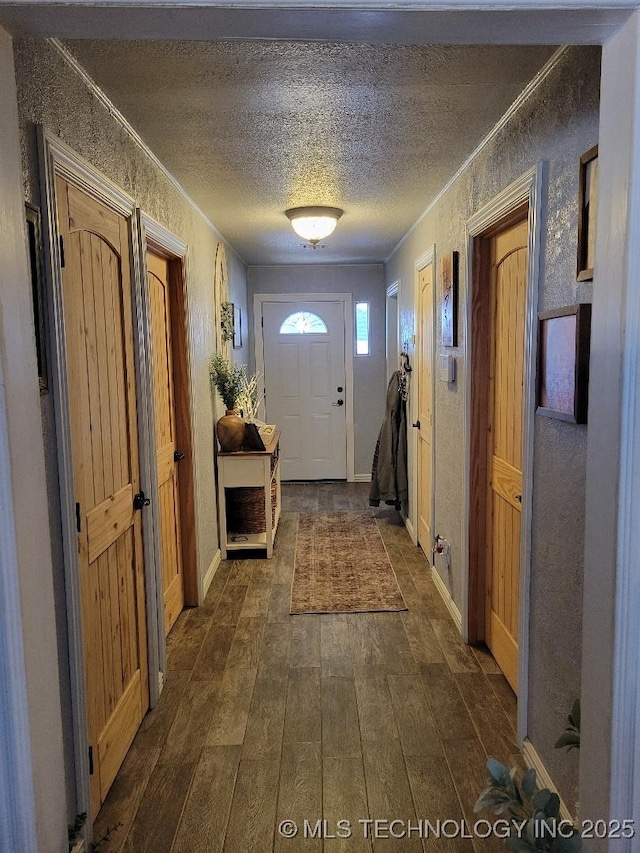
[166, 448]
[425, 410]
[304, 376]
[508, 286]
[96, 282]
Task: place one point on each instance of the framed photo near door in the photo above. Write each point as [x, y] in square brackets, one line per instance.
[587, 207]
[563, 363]
[237, 327]
[449, 299]
[34, 245]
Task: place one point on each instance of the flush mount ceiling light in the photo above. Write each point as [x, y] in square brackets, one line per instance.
[314, 223]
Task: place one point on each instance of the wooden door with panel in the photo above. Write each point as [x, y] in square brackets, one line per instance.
[98, 319]
[507, 305]
[168, 453]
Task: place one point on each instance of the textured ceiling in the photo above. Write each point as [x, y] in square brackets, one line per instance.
[252, 128]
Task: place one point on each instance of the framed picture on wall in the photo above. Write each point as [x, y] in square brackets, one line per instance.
[237, 327]
[563, 363]
[449, 299]
[34, 244]
[587, 207]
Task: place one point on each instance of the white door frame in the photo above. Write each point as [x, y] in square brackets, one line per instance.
[347, 301]
[394, 293]
[426, 258]
[610, 730]
[56, 158]
[527, 188]
[17, 802]
[154, 236]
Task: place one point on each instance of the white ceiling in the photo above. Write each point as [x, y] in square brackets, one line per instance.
[314, 108]
[252, 128]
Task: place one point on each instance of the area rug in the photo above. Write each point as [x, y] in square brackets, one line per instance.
[342, 566]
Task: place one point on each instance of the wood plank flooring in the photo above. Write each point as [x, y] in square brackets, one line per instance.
[267, 717]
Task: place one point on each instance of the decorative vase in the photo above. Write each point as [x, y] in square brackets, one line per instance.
[230, 432]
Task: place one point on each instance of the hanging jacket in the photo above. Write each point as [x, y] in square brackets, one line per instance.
[389, 470]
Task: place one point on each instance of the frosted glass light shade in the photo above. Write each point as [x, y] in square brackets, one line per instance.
[313, 223]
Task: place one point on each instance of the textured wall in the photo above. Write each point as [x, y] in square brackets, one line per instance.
[51, 94]
[365, 282]
[557, 124]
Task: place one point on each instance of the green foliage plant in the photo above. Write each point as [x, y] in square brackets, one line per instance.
[226, 321]
[532, 812]
[228, 378]
[75, 833]
[570, 738]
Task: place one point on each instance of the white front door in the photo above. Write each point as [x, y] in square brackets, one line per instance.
[304, 378]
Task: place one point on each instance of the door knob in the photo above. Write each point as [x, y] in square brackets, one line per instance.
[339, 389]
[178, 456]
[338, 403]
[416, 424]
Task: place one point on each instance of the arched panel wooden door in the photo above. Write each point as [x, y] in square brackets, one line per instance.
[96, 282]
[168, 454]
[507, 299]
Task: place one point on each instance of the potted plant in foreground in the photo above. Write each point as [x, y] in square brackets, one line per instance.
[228, 379]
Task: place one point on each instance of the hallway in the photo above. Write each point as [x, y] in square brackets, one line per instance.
[267, 717]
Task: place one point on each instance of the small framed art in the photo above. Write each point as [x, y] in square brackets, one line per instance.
[36, 269]
[237, 327]
[587, 207]
[449, 299]
[563, 363]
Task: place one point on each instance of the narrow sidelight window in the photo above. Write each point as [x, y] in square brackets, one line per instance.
[362, 328]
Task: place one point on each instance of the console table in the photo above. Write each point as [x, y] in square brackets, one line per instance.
[253, 469]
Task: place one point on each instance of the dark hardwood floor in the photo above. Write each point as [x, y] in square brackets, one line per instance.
[267, 717]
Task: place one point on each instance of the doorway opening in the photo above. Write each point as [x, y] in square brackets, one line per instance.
[304, 353]
[167, 305]
[424, 423]
[501, 312]
[499, 302]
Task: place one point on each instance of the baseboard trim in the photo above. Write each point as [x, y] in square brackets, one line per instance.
[452, 607]
[544, 780]
[213, 568]
[361, 478]
[410, 529]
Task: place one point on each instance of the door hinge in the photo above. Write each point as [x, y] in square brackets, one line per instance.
[140, 500]
[90, 761]
[78, 519]
[61, 251]
[262, 322]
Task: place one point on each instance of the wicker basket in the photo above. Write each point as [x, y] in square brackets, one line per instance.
[245, 508]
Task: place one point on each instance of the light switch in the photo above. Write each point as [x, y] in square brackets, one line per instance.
[447, 371]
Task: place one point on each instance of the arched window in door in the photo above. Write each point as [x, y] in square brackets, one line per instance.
[303, 323]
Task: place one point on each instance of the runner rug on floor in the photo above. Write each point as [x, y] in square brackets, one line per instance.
[342, 566]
